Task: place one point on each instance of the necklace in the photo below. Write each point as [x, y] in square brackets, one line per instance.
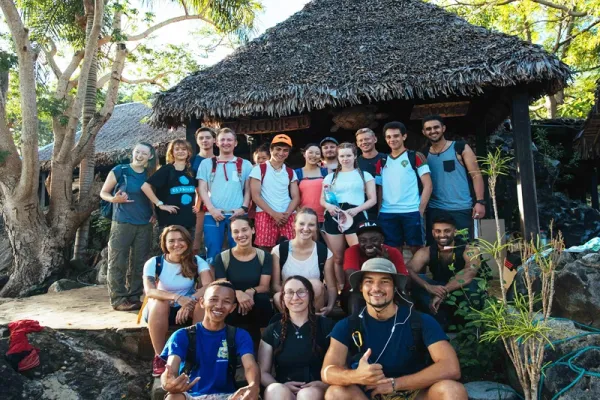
[298, 334]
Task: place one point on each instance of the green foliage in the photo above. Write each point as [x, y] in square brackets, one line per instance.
[556, 151]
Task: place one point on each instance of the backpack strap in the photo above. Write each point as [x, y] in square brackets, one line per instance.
[412, 158]
[290, 173]
[239, 162]
[159, 260]
[355, 325]
[324, 172]
[380, 164]
[418, 347]
[225, 258]
[299, 173]
[322, 256]
[263, 171]
[459, 147]
[191, 362]
[231, 351]
[260, 253]
[213, 171]
[284, 250]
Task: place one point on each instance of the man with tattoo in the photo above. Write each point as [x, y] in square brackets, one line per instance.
[453, 265]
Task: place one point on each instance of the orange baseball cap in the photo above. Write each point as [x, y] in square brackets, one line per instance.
[285, 139]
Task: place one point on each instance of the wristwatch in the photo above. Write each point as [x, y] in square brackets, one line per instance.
[159, 203]
[482, 202]
[244, 208]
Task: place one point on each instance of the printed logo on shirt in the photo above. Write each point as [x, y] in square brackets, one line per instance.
[404, 163]
[184, 190]
[223, 352]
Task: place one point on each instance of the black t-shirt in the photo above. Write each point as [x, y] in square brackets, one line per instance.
[243, 274]
[175, 188]
[368, 164]
[296, 361]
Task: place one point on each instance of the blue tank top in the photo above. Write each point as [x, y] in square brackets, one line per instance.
[450, 181]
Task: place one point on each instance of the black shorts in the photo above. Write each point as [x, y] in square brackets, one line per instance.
[331, 226]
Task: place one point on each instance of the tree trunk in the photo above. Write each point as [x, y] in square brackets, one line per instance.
[551, 107]
[87, 165]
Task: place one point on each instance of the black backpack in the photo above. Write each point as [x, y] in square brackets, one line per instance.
[106, 207]
[193, 363]
[284, 250]
[412, 158]
[355, 324]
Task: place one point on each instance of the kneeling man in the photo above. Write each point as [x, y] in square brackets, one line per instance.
[389, 349]
[212, 368]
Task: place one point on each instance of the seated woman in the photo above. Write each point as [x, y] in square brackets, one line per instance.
[305, 257]
[249, 270]
[296, 344]
[170, 287]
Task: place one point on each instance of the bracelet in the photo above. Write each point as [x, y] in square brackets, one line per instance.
[393, 381]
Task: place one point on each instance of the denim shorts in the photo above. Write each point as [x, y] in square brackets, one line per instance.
[402, 228]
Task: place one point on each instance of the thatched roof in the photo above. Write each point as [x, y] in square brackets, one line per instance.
[344, 52]
[589, 140]
[115, 141]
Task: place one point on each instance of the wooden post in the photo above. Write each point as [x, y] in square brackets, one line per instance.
[594, 189]
[190, 132]
[526, 191]
[481, 152]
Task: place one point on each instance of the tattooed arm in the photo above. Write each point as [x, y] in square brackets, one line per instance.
[465, 276]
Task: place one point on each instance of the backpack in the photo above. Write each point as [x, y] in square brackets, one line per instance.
[300, 173]
[226, 257]
[355, 324]
[284, 250]
[412, 159]
[238, 167]
[193, 363]
[106, 207]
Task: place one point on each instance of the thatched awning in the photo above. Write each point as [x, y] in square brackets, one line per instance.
[345, 52]
[127, 126]
[588, 142]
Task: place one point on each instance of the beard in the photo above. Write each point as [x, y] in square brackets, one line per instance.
[381, 307]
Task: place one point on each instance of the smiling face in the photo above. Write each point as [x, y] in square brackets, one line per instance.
[218, 302]
[280, 153]
[205, 140]
[141, 155]
[329, 150]
[395, 139]
[370, 243]
[260, 157]
[242, 232]
[226, 142]
[443, 234]
[180, 152]
[377, 289]
[346, 158]
[312, 155]
[305, 225]
[176, 243]
[434, 130]
[366, 142]
[296, 296]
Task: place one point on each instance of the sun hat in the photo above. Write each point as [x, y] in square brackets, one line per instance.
[328, 139]
[368, 226]
[379, 265]
[281, 138]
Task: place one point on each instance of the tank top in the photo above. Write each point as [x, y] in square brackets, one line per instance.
[450, 181]
[439, 268]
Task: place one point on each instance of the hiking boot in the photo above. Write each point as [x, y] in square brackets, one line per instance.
[125, 306]
[136, 305]
[158, 366]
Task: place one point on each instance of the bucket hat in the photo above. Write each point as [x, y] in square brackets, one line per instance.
[379, 265]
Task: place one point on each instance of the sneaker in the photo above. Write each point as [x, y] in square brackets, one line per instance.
[136, 305]
[158, 366]
[125, 306]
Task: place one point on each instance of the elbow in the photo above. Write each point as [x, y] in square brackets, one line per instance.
[455, 373]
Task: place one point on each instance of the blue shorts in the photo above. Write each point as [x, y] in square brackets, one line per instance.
[402, 228]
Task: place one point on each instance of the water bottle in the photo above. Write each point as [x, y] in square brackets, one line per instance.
[330, 196]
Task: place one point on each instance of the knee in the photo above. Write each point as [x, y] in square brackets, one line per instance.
[448, 390]
[335, 392]
[310, 393]
[175, 396]
[318, 287]
[338, 256]
[158, 309]
[277, 391]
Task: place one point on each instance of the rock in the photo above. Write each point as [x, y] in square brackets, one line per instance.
[6, 257]
[91, 372]
[63, 285]
[490, 391]
[102, 267]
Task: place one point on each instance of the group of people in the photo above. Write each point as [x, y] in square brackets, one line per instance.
[281, 245]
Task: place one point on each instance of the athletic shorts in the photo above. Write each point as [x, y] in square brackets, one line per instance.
[268, 232]
[331, 226]
[402, 228]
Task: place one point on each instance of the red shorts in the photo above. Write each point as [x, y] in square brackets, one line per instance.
[268, 232]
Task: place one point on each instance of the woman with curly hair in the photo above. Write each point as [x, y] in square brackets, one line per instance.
[170, 285]
[172, 189]
[295, 345]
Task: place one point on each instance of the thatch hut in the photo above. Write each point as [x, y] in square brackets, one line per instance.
[588, 145]
[345, 64]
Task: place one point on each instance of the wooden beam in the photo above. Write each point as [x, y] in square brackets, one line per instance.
[481, 139]
[190, 132]
[594, 189]
[526, 191]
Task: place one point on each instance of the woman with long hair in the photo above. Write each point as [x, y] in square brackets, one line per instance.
[295, 346]
[170, 285]
[131, 227]
[249, 270]
[173, 187]
[346, 189]
[310, 181]
[305, 257]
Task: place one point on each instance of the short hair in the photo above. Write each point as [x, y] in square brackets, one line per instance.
[395, 125]
[222, 283]
[433, 117]
[364, 130]
[444, 219]
[224, 131]
[205, 129]
[263, 148]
